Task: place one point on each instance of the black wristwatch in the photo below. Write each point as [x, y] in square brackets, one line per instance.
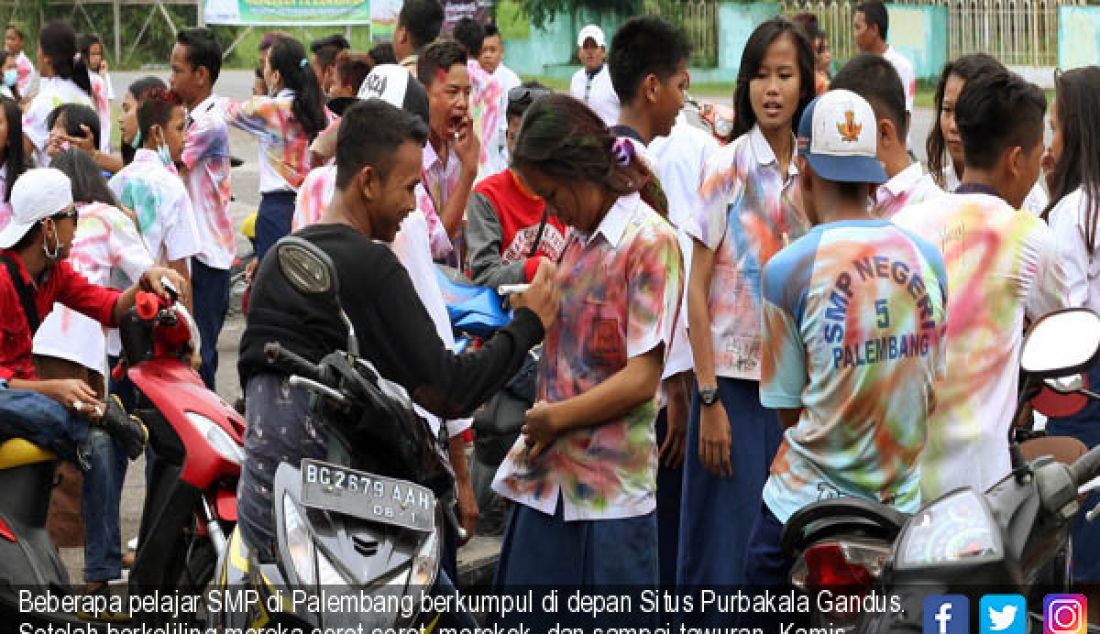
[708, 395]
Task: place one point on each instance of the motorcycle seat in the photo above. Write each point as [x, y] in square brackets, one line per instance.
[18, 452]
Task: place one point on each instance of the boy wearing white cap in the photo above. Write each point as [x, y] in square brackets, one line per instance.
[592, 83]
[854, 323]
[35, 273]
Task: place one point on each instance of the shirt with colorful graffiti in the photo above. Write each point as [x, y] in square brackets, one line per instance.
[620, 292]
[284, 144]
[751, 209]
[157, 196]
[1002, 264]
[53, 92]
[854, 324]
[207, 159]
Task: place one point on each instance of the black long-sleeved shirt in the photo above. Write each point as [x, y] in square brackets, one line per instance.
[394, 329]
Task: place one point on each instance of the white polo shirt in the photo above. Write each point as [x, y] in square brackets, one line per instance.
[597, 91]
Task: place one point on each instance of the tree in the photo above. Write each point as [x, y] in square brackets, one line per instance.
[542, 11]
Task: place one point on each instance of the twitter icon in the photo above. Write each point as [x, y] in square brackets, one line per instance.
[1003, 614]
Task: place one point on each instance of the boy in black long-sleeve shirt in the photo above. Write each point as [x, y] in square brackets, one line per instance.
[378, 160]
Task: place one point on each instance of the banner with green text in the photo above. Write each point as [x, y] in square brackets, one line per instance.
[288, 12]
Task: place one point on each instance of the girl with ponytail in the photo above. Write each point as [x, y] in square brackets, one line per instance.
[64, 79]
[286, 122]
[591, 433]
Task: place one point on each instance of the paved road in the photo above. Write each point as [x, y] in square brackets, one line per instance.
[237, 84]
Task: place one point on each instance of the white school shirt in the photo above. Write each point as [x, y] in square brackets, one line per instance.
[905, 71]
[678, 161]
[497, 147]
[908, 187]
[1082, 267]
[598, 93]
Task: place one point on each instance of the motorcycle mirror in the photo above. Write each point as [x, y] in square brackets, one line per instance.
[308, 269]
[1061, 343]
[1066, 384]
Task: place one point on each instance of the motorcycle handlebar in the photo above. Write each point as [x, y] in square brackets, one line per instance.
[290, 362]
[1086, 467]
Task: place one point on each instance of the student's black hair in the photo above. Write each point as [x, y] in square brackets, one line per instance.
[89, 186]
[996, 112]
[644, 45]
[370, 133]
[58, 42]
[440, 55]
[13, 157]
[564, 139]
[423, 19]
[4, 54]
[156, 108]
[353, 70]
[518, 109]
[289, 58]
[751, 59]
[76, 115]
[1078, 105]
[327, 48]
[875, 79]
[138, 89]
[492, 30]
[84, 43]
[965, 68]
[470, 35]
[811, 28]
[382, 53]
[875, 14]
[203, 50]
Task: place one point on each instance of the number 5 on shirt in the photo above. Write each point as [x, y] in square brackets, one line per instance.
[883, 314]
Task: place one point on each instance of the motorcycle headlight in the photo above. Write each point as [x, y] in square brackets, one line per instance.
[219, 439]
[426, 563]
[298, 542]
[959, 527]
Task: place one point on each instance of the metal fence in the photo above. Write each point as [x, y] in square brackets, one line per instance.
[1017, 32]
[698, 19]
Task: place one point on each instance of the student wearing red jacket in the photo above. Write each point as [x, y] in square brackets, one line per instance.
[57, 414]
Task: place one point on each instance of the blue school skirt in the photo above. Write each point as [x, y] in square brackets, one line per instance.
[717, 513]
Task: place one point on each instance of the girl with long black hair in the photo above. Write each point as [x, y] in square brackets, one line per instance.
[65, 79]
[752, 208]
[1073, 177]
[286, 122]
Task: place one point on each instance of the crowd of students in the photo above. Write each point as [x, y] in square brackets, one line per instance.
[729, 331]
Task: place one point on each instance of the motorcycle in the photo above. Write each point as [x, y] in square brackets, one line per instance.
[715, 118]
[194, 462]
[1014, 537]
[359, 524]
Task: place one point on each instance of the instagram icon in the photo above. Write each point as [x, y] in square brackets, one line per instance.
[1065, 614]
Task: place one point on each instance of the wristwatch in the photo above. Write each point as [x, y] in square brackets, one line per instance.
[708, 395]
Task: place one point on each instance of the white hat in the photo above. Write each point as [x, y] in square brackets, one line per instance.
[395, 85]
[37, 194]
[594, 32]
[838, 136]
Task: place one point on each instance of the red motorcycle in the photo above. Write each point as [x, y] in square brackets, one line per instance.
[715, 118]
[196, 443]
[195, 455]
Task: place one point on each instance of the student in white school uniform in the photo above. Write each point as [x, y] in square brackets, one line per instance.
[752, 208]
[871, 25]
[874, 78]
[492, 60]
[592, 83]
[648, 65]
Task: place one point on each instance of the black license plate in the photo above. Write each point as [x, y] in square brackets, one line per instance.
[367, 496]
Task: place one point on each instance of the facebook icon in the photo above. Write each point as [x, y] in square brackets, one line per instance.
[946, 614]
